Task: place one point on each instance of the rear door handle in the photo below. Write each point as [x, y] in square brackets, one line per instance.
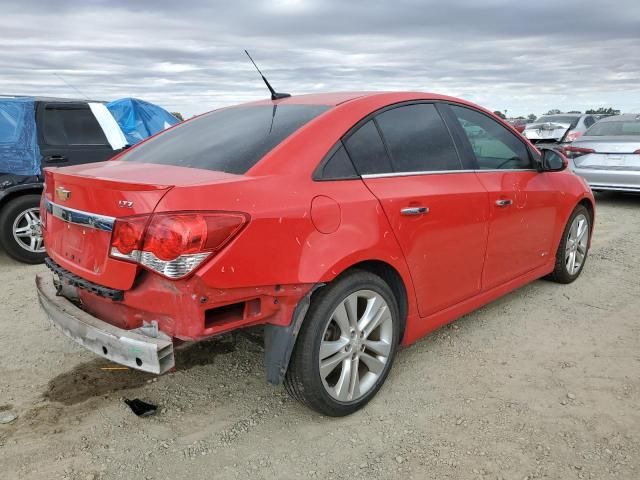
[504, 202]
[413, 211]
[55, 159]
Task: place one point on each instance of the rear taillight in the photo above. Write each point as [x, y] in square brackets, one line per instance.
[575, 152]
[174, 244]
[637, 152]
[572, 135]
[127, 235]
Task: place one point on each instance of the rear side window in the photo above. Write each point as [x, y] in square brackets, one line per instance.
[339, 166]
[613, 128]
[495, 147]
[418, 139]
[71, 125]
[367, 151]
[231, 140]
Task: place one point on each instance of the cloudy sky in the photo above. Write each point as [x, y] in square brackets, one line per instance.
[523, 56]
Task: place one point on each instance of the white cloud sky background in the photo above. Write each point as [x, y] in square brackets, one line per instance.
[523, 57]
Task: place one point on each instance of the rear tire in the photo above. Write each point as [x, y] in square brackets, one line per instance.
[354, 325]
[20, 231]
[574, 247]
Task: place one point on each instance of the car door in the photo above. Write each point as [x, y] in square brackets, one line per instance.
[523, 202]
[437, 211]
[69, 134]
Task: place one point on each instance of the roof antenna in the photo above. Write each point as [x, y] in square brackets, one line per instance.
[274, 95]
[71, 86]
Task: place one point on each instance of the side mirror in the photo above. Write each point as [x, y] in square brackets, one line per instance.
[553, 160]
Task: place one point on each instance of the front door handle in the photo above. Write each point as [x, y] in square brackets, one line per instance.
[413, 211]
[55, 159]
[504, 202]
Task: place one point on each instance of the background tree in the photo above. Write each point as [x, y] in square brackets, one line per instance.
[500, 114]
[574, 111]
[553, 111]
[178, 115]
[532, 117]
[604, 111]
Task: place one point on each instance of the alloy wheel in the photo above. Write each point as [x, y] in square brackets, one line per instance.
[356, 345]
[577, 242]
[27, 231]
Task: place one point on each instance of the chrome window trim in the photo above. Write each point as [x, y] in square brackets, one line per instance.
[444, 172]
[78, 217]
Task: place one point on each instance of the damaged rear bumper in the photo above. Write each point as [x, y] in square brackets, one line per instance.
[142, 348]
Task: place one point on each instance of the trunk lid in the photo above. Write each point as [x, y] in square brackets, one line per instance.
[610, 152]
[83, 202]
[546, 131]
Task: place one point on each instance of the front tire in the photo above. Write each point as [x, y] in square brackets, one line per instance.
[574, 246]
[346, 345]
[20, 229]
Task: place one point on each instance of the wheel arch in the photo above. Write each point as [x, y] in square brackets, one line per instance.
[392, 277]
[588, 203]
[280, 340]
[12, 194]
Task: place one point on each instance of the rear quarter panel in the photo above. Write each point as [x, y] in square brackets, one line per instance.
[281, 244]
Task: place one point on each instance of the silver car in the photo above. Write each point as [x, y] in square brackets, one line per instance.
[608, 154]
[560, 128]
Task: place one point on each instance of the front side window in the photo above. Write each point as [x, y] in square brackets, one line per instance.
[230, 140]
[495, 147]
[71, 125]
[418, 139]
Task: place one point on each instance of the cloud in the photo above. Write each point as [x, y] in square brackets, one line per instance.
[187, 56]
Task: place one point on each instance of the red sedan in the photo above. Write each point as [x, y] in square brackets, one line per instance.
[344, 224]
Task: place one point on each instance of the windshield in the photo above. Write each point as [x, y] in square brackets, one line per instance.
[230, 140]
[556, 119]
[613, 128]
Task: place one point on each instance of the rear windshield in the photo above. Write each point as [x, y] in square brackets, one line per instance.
[603, 129]
[231, 140]
[557, 119]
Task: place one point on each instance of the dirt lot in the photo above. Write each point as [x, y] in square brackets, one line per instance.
[544, 383]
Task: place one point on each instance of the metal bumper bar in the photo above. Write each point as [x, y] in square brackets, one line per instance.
[133, 348]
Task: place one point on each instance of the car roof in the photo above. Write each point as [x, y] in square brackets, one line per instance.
[337, 98]
[625, 117]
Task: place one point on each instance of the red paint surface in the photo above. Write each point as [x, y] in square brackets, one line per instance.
[463, 254]
[325, 214]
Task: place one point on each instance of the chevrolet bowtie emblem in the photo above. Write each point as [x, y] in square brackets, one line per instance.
[63, 194]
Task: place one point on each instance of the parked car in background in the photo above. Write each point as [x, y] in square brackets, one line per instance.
[560, 128]
[41, 132]
[608, 154]
[343, 224]
[518, 123]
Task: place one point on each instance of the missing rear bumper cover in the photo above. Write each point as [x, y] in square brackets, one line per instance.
[133, 348]
[79, 282]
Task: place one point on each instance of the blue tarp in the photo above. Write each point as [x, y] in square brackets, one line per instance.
[139, 119]
[19, 152]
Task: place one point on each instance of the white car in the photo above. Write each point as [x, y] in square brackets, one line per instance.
[560, 128]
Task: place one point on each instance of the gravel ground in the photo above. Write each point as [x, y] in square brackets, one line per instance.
[543, 383]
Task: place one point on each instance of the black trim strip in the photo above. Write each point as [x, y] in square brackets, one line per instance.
[79, 282]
